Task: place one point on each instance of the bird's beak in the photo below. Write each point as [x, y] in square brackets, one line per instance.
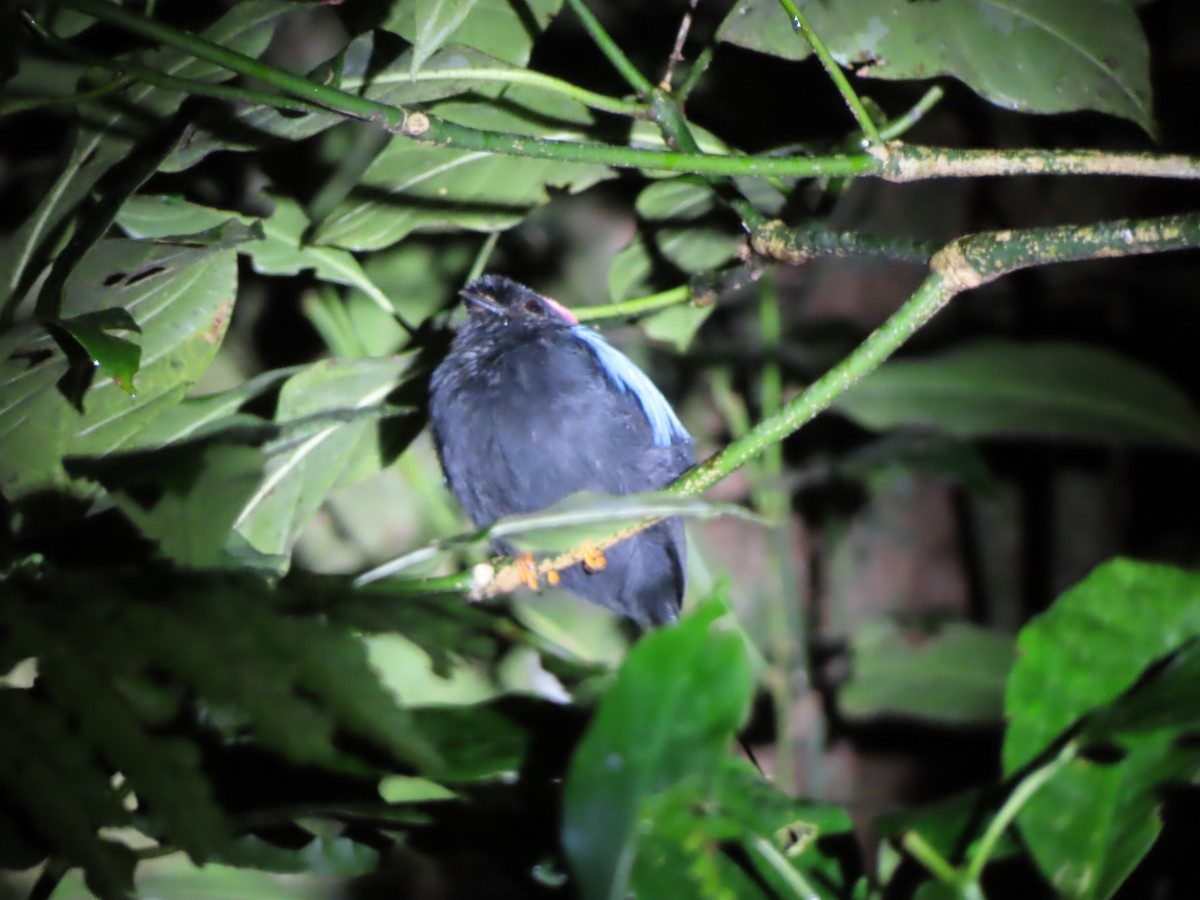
[482, 301]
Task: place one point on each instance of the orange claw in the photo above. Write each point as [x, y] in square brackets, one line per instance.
[593, 557]
[552, 577]
[527, 571]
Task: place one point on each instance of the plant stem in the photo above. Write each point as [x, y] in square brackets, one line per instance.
[898, 126]
[639, 306]
[695, 73]
[1026, 788]
[800, 23]
[927, 855]
[892, 162]
[609, 48]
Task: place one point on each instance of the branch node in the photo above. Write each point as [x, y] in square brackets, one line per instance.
[414, 124]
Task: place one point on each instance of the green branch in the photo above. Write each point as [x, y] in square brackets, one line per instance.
[962, 264]
[893, 162]
[610, 49]
[639, 306]
[835, 73]
[776, 241]
[959, 266]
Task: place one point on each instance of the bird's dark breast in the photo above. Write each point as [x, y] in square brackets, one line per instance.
[522, 419]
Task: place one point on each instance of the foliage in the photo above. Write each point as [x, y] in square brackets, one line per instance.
[222, 291]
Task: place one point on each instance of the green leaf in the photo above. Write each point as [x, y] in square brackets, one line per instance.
[186, 498]
[281, 250]
[322, 855]
[435, 21]
[1091, 646]
[677, 325]
[955, 676]
[629, 274]
[117, 358]
[1166, 700]
[410, 187]
[587, 516]
[56, 782]
[1030, 55]
[698, 248]
[208, 414]
[111, 125]
[675, 199]
[1000, 389]
[1090, 825]
[689, 829]
[180, 297]
[342, 398]
[496, 27]
[677, 702]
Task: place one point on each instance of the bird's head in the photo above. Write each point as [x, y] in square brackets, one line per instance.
[494, 296]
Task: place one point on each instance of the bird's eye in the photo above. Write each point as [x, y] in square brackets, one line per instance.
[532, 306]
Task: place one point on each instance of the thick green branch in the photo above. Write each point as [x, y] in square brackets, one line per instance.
[776, 241]
[959, 266]
[907, 162]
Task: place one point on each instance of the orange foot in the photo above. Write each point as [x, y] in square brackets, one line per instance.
[527, 570]
[593, 557]
[552, 578]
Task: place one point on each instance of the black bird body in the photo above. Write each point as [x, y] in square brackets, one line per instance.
[529, 407]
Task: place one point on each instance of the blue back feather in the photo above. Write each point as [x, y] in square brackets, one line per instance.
[665, 426]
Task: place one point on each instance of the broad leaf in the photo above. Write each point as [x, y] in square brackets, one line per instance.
[998, 389]
[955, 676]
[343, 399]
[1090, 825]
[1043, 56]
[181, 298]
[411, 187]
[496, 27]
[112, 124]
[281, 250]
[677, 702]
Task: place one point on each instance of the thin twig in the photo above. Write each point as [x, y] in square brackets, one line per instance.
[676, 57]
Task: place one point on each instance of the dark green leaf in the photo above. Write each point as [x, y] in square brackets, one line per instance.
[494, 26]
[998, 389]
[111, 124]
[955, 676]
[186, 498]
[280, 251]
[677, 702]
[1024, 54]
[335, 855]
[117, 358]
[181, 297]
[411, 187]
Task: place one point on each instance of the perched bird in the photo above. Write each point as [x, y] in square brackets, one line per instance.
[530, 406]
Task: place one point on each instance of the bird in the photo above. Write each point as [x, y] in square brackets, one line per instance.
[530, 406]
